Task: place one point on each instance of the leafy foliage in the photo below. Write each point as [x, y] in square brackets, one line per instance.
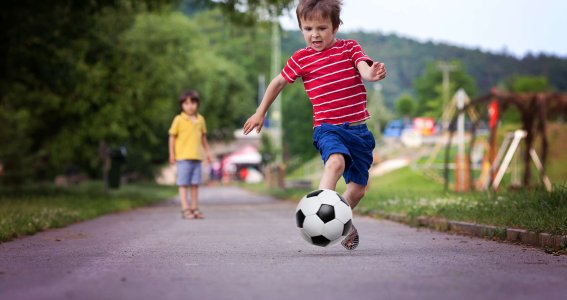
[297, 126]
[523, 84]
[406, 106]
[527, 84]
[78, 74]
[115, 85]
[248, 12]
[53, 49]
[430, 91]
[163, 55]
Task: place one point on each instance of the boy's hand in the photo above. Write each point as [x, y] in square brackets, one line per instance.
[171, 160]
[255, 121]
[375, 72]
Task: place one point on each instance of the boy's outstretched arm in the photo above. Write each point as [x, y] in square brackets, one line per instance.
[257, 120]
[375, 72]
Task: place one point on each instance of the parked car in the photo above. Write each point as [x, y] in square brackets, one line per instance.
[395, 128]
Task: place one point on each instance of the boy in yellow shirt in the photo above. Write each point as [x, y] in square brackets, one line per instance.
[187, 139]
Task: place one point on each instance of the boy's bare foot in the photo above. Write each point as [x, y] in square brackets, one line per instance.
[351, 240]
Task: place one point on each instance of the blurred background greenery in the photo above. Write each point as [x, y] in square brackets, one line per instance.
[80, 74]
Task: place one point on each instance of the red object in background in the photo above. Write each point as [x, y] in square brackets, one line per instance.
[493, 114]
[424, 125]
[243, 174]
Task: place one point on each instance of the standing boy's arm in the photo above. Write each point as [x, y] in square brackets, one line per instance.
[375, 72]
[206, 147]
[257, 120]
[172, 149]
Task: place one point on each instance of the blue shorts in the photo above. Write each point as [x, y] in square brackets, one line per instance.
[188, 172]
[356, 143]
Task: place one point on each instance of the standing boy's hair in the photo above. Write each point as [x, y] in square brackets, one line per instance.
[326, 9]
[191, 94]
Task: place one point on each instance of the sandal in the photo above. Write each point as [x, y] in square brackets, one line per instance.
[197, 214]
[351, 240]
[187, 214]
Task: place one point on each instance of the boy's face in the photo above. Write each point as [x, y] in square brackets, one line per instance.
[318, 33]
[189, 107]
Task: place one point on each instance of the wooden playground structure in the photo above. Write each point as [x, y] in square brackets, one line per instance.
[535, 110]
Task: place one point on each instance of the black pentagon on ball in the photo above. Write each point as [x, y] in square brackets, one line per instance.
[346, 228]
[320, 241]
[314, 193]
[326, 213]
[299, 218]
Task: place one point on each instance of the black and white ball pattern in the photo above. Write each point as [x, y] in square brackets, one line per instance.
[323, 217]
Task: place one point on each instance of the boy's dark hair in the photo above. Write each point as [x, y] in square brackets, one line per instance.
[331, 9]
[191, 94]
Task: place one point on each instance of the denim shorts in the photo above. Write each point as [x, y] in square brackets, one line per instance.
[356, 143]
[188, 172]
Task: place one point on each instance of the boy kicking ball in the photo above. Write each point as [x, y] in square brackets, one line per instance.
[332, 71]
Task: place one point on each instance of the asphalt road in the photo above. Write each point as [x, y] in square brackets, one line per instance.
[248, 248]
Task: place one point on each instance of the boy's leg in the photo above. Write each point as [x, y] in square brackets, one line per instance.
[351, 149]
[195, 179]
[334, 168]
[183, 197]
[354, 192]
[197, 214]
[183, 183]
[194, 195]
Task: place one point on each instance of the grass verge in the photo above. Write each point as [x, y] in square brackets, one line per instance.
[411, 193]
[30, 210]
[533, 210]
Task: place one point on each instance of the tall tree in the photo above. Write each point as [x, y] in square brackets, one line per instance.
[429, 87]
[523, 84]
[406, 106]
[247, 46]
[528, 84]
[248, 12]
[48, 48]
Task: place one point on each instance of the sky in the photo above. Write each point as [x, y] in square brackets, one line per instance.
[515, 27]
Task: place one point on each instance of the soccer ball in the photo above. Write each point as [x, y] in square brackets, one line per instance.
[323, 217]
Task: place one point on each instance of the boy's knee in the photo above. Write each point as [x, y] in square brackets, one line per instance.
[358, 194]
[336, 162]
[355, 194]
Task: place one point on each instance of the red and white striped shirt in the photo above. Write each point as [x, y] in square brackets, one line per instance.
[332, 81]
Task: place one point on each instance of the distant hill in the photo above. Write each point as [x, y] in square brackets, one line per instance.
[406, 59]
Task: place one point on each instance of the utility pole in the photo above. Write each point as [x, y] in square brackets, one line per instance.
[446, 69]
[461, 98]
[275, 112]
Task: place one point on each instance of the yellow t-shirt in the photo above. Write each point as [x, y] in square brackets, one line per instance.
[188, 134]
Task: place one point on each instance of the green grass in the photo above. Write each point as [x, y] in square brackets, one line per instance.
[411, 193]
[30, 210]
